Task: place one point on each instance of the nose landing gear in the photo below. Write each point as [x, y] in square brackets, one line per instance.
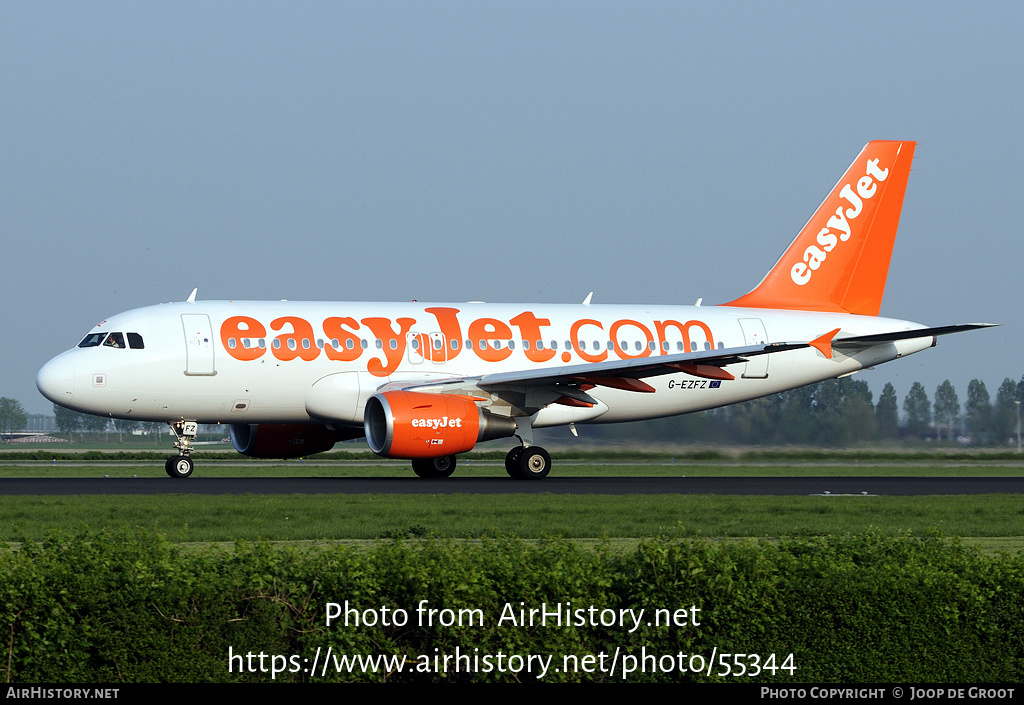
[179, 466]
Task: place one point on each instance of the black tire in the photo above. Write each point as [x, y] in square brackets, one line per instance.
[434, 467]
[512, 463]
[179, 466]
[534, 463]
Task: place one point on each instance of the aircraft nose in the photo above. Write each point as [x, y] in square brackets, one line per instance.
[56, 380]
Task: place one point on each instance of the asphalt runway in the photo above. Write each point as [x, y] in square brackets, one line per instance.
[834, 486]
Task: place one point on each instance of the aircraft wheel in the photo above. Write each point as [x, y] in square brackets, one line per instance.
[434, 467]
[512, 463]
[179, 466]
[534, 463]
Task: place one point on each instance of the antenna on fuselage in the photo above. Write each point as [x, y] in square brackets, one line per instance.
[586, 301]
[192, 297]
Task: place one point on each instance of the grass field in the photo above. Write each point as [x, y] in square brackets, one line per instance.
[340, 517]
[994, 521]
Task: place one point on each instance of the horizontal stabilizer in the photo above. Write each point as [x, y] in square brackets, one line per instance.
[859, 341]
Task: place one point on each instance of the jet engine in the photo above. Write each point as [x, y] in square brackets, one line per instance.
[286, 440]
[418, 425]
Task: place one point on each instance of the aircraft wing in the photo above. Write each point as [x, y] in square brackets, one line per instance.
[531, 390]
[703, 363]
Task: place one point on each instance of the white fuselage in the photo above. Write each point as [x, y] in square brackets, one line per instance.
[302, 362]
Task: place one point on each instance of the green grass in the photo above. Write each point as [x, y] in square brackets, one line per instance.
[337, 517]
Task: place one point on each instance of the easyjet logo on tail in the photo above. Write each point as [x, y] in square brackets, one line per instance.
[839, 260]
[839, 226]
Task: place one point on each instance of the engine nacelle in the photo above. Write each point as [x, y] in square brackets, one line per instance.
[418, 425]
[285, 440]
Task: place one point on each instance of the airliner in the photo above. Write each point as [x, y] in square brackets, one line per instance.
[427, 381]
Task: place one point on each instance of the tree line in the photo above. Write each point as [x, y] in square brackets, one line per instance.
[838, 412]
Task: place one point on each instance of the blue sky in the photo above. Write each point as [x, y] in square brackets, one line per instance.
[652, 152]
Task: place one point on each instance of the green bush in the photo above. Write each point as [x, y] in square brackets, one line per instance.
[132, 607]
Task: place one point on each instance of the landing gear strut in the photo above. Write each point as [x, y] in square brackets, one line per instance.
[181, 465]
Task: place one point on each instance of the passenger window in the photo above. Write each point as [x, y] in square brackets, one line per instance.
[135, 341]
[114, 340]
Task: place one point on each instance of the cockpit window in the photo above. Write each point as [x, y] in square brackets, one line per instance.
[92, 340]
[114, 340]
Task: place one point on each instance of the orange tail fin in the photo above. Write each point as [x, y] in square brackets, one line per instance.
[840, 260]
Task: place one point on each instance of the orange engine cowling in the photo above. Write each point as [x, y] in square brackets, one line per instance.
[286, 440]
[418, 425]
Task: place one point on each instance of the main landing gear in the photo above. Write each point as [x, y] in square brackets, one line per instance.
[434, 467]
[521, 463]
[178, 466]
[528, 463]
